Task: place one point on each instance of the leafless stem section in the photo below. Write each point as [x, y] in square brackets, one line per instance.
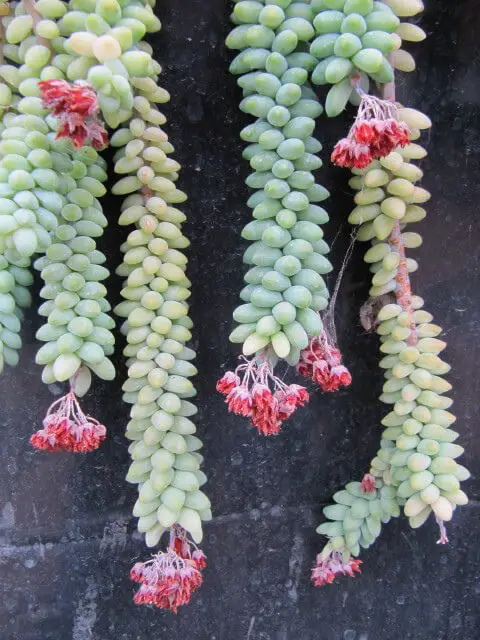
[403, 291]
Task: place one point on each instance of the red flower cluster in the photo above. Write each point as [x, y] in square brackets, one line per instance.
[374, 134]
[367, 485]
[252, 397]
[368, 140]
[67, 428]
[76, 108]
[322, 362]
[169, 578]
[327, 569]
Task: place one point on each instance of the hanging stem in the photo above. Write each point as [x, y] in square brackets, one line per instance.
[403, 291]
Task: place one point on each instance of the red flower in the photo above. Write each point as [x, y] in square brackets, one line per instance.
[56, 95]
[262, 397]
[349, 153]
[251, 395]
[297, 393]
[340, 376]
[367, 484]
[53, 437]
[321, 361]
[320, 372]
[228, 382]
[97, 135]
[289, 399]
[365, 132]
[61, 97]
[239, 401]
[375, 133]
[67, 428]
[84, 100]
[327, 569]
[73, 126]
[76, 108]
[169, 578]
[200, 559]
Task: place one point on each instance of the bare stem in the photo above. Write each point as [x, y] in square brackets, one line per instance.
[403, 291]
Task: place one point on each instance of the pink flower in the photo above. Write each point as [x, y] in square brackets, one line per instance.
[367, 484]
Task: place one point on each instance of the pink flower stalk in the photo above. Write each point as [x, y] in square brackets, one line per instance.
[443, 532]
[170, 577]
[76, 108]
[67, 428]
[327, 569]
[367, 485]
[322, 362]
[248, 393]
[374, 134]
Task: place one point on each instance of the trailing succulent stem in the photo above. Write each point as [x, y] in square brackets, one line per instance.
[285, 290]
[164, 450]
[75, 66]
[415, 468]
[49, 195]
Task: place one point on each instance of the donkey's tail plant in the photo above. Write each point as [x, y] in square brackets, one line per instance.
[360, 39]
[285, 290]
[82, 67]
[415, 468]
[50, 188]
[164, 450]
[76, 69]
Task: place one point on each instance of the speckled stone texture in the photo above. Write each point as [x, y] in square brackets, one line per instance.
[67, 537]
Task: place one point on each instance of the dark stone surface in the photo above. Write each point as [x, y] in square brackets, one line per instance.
[67, 538]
